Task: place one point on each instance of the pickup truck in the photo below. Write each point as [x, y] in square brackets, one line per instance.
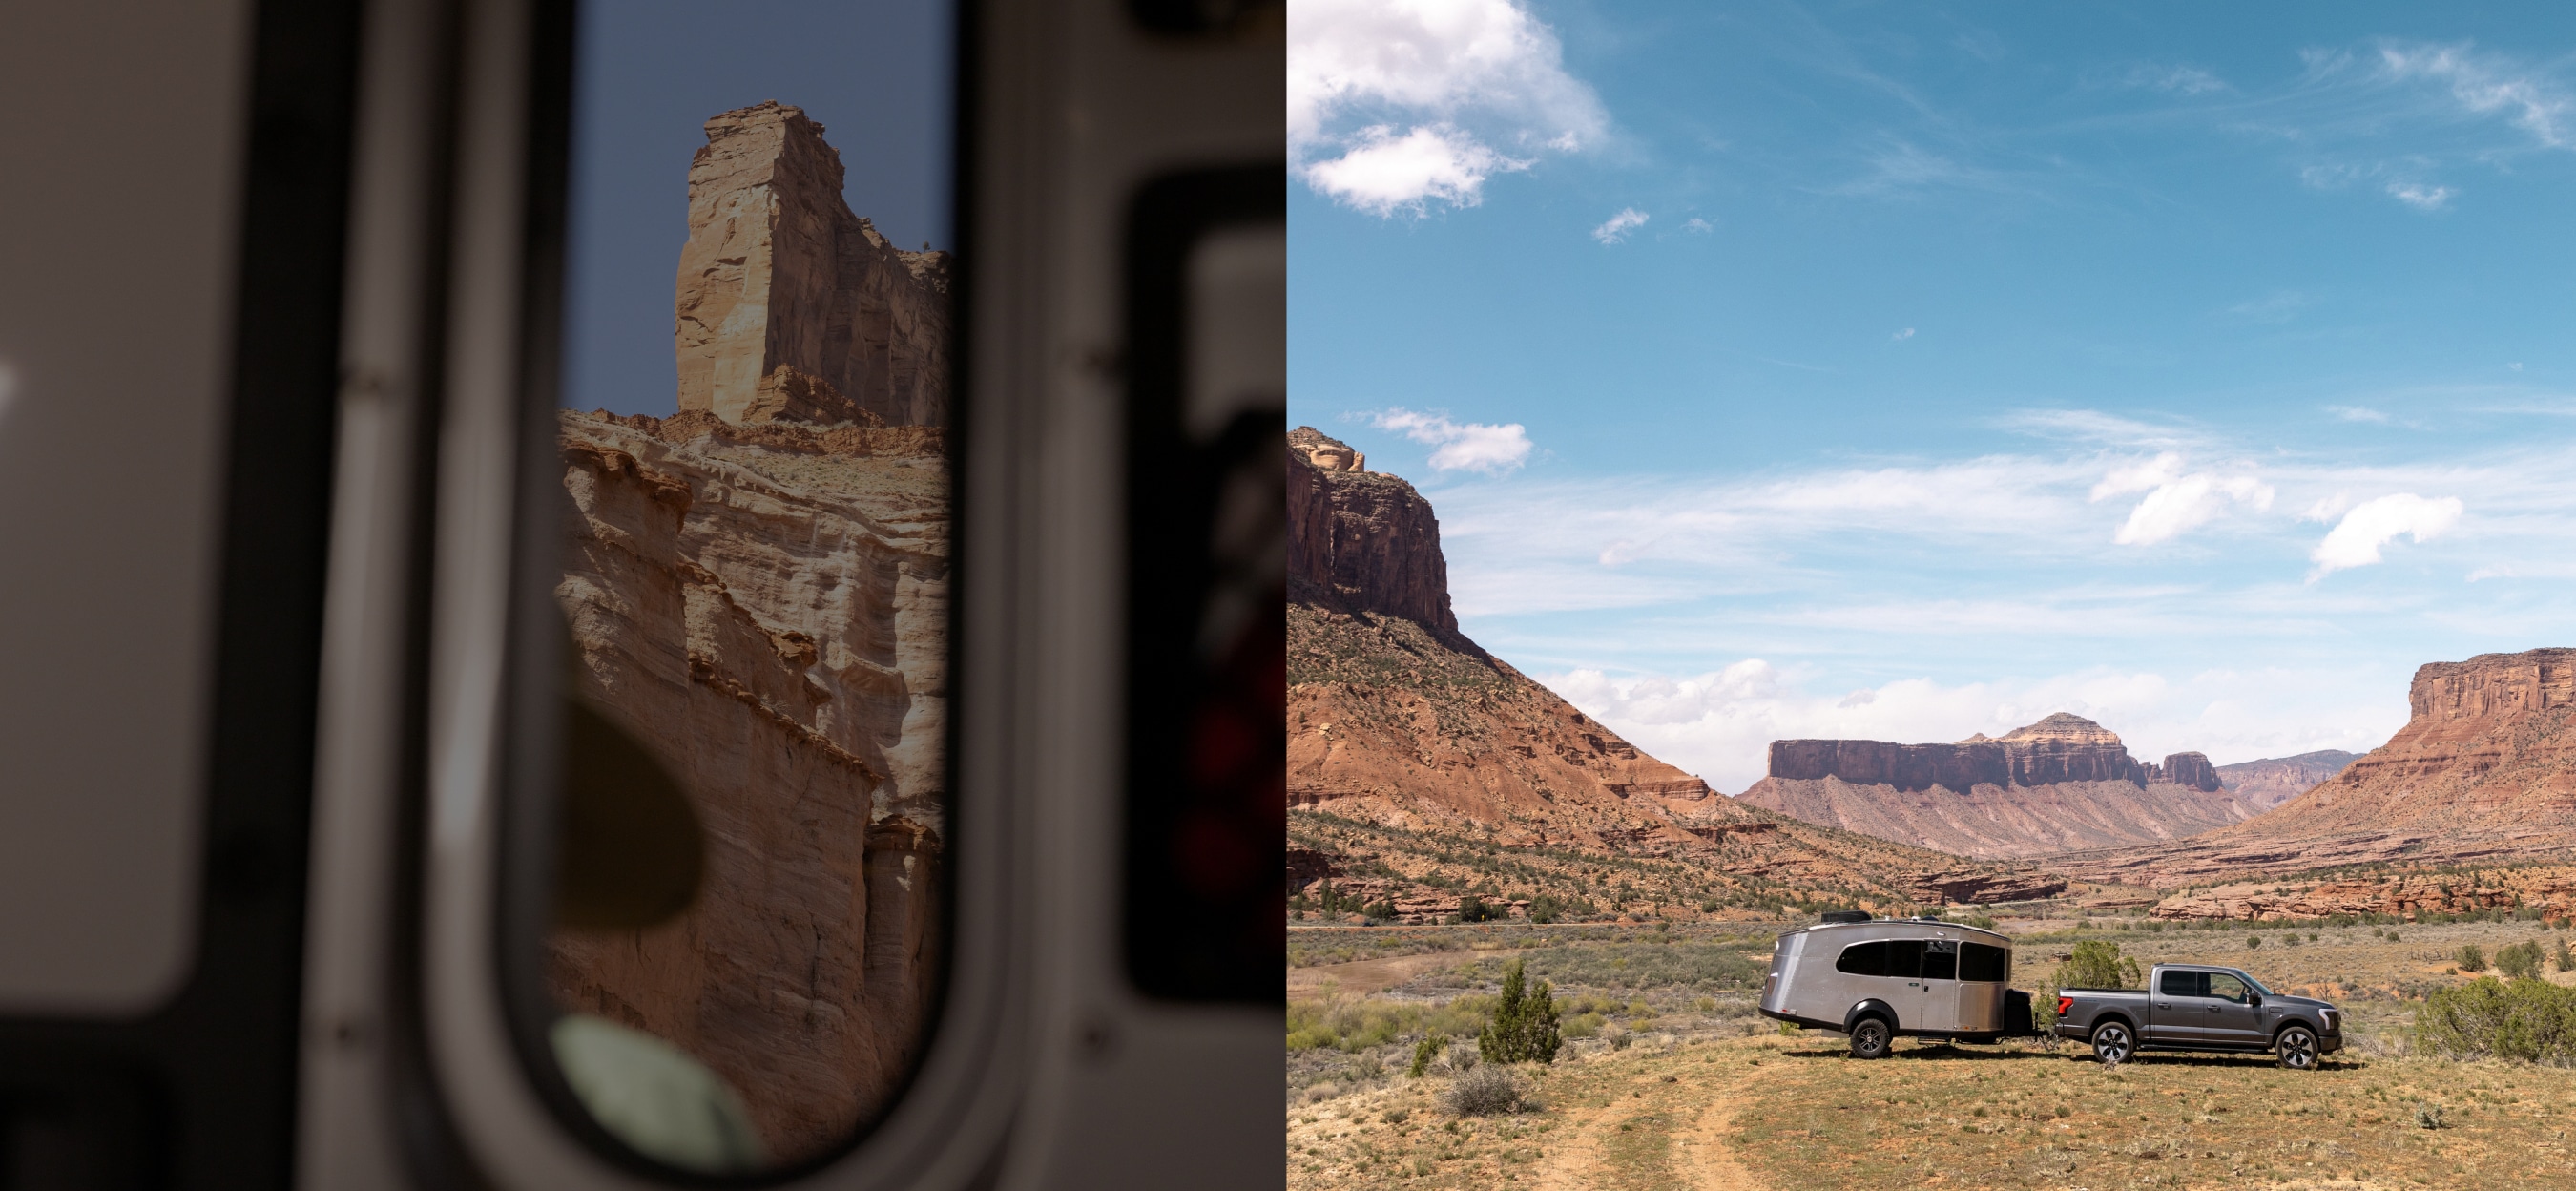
[2197, 1007]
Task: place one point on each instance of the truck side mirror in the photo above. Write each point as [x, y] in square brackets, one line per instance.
[2254, 999]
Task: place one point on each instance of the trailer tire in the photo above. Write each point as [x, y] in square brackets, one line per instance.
[2113, 1043]
[1870, 1038]
[2297, 1048]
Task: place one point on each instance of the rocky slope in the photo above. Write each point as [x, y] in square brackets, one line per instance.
[766, 607]
[2269, 782]
[1398, 722]
[2060, 784]
[2484, 769]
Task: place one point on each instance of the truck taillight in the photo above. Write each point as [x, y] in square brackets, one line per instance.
[2064, 1004]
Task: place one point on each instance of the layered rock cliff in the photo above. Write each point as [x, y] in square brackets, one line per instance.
[2062, 783]
[790, 307]
[2271, 781]
[2484, 769]
[1397, 720]
[766, 607]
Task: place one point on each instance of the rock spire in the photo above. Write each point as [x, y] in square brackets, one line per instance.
[791, 308]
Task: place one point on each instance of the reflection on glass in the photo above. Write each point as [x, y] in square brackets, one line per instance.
[757, 589]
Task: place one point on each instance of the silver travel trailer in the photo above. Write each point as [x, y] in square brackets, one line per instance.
[1876, 979]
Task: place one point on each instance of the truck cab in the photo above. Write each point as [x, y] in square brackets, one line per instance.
[2200, 1007]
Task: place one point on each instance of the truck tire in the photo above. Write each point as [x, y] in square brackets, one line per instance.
[2297, 1048]
[1869, 1038]
[2113, 1043]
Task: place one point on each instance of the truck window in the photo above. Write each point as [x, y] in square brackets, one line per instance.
[2225, 987]
[1985, 964]
[1940, 960]
[1863, 959]
[2184, 984]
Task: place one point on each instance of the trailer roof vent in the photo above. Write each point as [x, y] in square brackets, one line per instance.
[1846, 915]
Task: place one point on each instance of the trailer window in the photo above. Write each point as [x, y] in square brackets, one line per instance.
[1940, 960]
[1863, 959]
[1979, 962]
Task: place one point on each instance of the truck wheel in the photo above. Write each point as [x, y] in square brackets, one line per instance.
[2113, 1044]
[2297, 1048]
[1869, 1039]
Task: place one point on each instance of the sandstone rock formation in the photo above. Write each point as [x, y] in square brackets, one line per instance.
[2484, 769]
[2269, 782]
[766, 606]
[2060, 784]
[2551, 890]
[1362, 542]
[1396, 719]
[790, 307]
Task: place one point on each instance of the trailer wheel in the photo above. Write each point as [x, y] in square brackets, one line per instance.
[2297, 1048]
[1869, 1037]
[2113, 1044]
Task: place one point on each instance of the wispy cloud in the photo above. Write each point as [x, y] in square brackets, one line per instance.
[2089, 425]
[2420, 196]
[2179, 80]
[2488, 85]
[1460, 446]
[1398, 105]
[1696, 224]
[2357, 413]
[1618, 226]
[1902, 335]
[2277, 307]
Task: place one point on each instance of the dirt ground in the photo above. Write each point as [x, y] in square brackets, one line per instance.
[1700, 1095]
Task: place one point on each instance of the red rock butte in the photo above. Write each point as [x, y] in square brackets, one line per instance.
[790, 307]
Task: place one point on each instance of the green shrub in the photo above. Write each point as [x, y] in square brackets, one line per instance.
[2520, 961]
[2097, 964]
[1523, 1027]
[2470, 957]
[1473, 909]
[1582, 1025]
[1425, 1051]
[2565, 959]
[2532, 1021]
[2253, 941]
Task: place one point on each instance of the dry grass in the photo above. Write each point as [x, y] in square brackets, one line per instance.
[1703, 1096]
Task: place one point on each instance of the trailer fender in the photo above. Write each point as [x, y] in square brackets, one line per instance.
[1871, 1008]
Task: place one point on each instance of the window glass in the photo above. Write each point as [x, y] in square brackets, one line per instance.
[1940, 959]
[2226, 987]
[755, 574]
[2183, 984]
[1863, 959]
[1904, 958]
[1980, 962]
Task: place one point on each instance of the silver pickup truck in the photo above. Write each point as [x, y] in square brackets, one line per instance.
[2196, 1007]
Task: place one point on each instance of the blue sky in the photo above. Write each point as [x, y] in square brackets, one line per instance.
[875, 73]
[1906, 371]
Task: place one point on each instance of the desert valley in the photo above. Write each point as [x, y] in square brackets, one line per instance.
[1447, 814]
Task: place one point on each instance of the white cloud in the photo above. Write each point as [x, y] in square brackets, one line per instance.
[1460, 446]
[1396, 104]
[2176, 501]
[1902, 336]
[2089, 425]
[1627, 220]
[2489, 85]
[2421, 197]
[1384, 173]
[1702, 225]
[2357, 413]
[1721, 724]
[2355, 541]
[2278, 307]
[2181, 80]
